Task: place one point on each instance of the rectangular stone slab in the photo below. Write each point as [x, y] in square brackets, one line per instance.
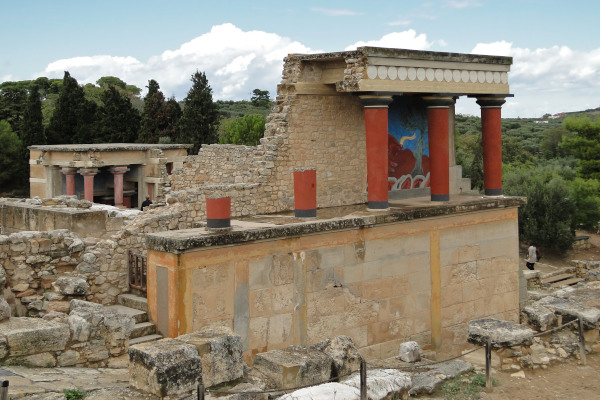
[27, 336]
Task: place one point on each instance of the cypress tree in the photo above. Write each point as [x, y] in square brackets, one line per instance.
[200, 119]
[32, 130]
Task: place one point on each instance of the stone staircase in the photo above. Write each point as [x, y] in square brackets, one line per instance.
[137, 307]
[563, 279]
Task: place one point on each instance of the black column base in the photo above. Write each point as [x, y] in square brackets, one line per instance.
[378, 205]
[493, 192]
[440, 197]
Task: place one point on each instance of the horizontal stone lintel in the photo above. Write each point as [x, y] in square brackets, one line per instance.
[178, 242]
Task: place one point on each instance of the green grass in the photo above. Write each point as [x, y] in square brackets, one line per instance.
[466, 387]
[74, 394]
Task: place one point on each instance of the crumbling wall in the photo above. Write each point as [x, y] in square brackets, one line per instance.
[326, 132]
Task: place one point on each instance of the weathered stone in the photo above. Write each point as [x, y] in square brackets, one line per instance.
[60, 306]
[164, 367]
[41, 360]
[71, 285]
[5, 311]
[571, 310]
[69, 358]
[87, 268]
[499, 333]
[75, 304]
[427, 382]
[26, 336]
[539, 317]
[344, 354]
[593, 275]
[383, 384]
[221, 353]
[3, 347]
[409, 352]
[2, 276]
[80, 328]
[331, 390]
[294, 366]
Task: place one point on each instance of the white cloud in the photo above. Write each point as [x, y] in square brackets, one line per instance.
[334, 12]
[548, 80]
[235, 63]
[463, 3]
[401, 40]
[400, 22]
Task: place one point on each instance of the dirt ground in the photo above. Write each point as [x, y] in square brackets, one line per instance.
[566, 380]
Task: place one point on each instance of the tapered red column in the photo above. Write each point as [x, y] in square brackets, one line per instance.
[439, 153]
[376, 126]
[118, 171]
[88, 182]
[491, 137]
[69, 174]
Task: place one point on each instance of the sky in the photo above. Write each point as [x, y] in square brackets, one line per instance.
[240, 45]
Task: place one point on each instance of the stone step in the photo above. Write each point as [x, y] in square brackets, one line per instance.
[144, 339]
[133, 301]
[140, 316]
[557, 278]
[143, 329]
[572, 281]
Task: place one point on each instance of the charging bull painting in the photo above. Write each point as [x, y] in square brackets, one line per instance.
[408, 147]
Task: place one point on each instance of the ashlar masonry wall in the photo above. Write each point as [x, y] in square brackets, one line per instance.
[384, 284]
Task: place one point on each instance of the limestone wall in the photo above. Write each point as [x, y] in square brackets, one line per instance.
[381, 285]
[326, 132]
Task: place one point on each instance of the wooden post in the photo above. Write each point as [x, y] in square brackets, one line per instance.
[363, 380]
[200, 391]
[582, 342]
[488, 367]
[4, 390]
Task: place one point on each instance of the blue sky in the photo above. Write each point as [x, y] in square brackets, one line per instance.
[240, 44]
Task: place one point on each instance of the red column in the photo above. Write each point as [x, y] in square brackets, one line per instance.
[491, 137]
[439, 153]
[376, 127]
[150, 187]
[118, 171]
[69, 174]
[218, 212]
[305, 192]
[88, 182]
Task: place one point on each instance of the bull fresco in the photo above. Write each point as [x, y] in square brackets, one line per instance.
[408, 146]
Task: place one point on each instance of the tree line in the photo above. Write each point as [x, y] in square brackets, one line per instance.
[53, 111]
[554, 162]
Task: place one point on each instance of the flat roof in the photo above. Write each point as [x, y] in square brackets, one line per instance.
[108, 147]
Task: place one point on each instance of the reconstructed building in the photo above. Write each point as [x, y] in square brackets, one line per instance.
[416, 256]
[119, 174]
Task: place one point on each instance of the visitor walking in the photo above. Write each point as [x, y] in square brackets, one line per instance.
[531, 256]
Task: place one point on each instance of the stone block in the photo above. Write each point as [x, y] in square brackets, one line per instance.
[26, 336]
[294, 366]
[330, 390]
[221, 353]
[5, 311]
[345, 356]
[409, 352]
[539, 317]
[499, 333]
[164, 367]
[383, 384]
[71, 285]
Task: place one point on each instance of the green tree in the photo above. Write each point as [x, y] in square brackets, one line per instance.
[118, 121]
[548, 217]
[11, 151]
[73, 120]
[585, 145]
[550, 144]
[153, 117]
[107, 81]
[172, 115]
[586, 194]
[246, 130]
[260, 98]
[32, 130]
[200, 119]
[13, 98]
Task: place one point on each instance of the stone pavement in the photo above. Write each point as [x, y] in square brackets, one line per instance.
[49, 383]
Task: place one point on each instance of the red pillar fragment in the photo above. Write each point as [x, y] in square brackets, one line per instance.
[491, 137]
[218, 212]
[376, 127]
[305, 192]
[439, 153]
